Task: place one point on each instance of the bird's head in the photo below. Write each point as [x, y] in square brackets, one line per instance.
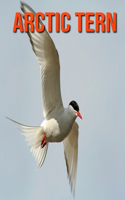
[75, 107]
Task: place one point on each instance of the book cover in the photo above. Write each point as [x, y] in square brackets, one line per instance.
[89, 38]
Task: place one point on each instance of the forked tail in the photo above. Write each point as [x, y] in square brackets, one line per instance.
[34, 136]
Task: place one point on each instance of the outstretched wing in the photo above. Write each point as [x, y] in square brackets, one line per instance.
[70, 146]
[48, 59]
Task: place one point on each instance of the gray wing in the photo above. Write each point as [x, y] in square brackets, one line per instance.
[70, 146]
[48, 59]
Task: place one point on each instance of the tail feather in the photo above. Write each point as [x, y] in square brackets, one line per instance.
[34, 135]
[40, 155]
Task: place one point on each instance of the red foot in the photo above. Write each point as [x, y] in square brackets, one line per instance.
[43, 143]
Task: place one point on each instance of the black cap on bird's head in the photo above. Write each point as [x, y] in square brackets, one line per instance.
[75, 107]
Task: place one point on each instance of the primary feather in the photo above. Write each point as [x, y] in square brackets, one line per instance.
[70, 146]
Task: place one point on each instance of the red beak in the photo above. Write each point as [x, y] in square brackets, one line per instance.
[78, 113]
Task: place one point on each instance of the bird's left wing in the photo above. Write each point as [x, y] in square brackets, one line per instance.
[48, 59]
[70, 146]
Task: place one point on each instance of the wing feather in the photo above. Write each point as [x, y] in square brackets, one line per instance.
[48, 59]
[70, 146]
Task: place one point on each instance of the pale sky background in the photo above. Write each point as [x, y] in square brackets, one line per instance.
[93, 74]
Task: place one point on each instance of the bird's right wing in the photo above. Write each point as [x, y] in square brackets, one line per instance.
[70, 146]
[48, 59]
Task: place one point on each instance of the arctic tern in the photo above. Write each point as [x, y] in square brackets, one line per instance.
[59, 124]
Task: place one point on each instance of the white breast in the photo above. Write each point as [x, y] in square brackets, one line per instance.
[51, 128]
[58, 126]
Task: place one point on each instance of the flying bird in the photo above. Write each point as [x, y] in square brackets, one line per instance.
[59, 124]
